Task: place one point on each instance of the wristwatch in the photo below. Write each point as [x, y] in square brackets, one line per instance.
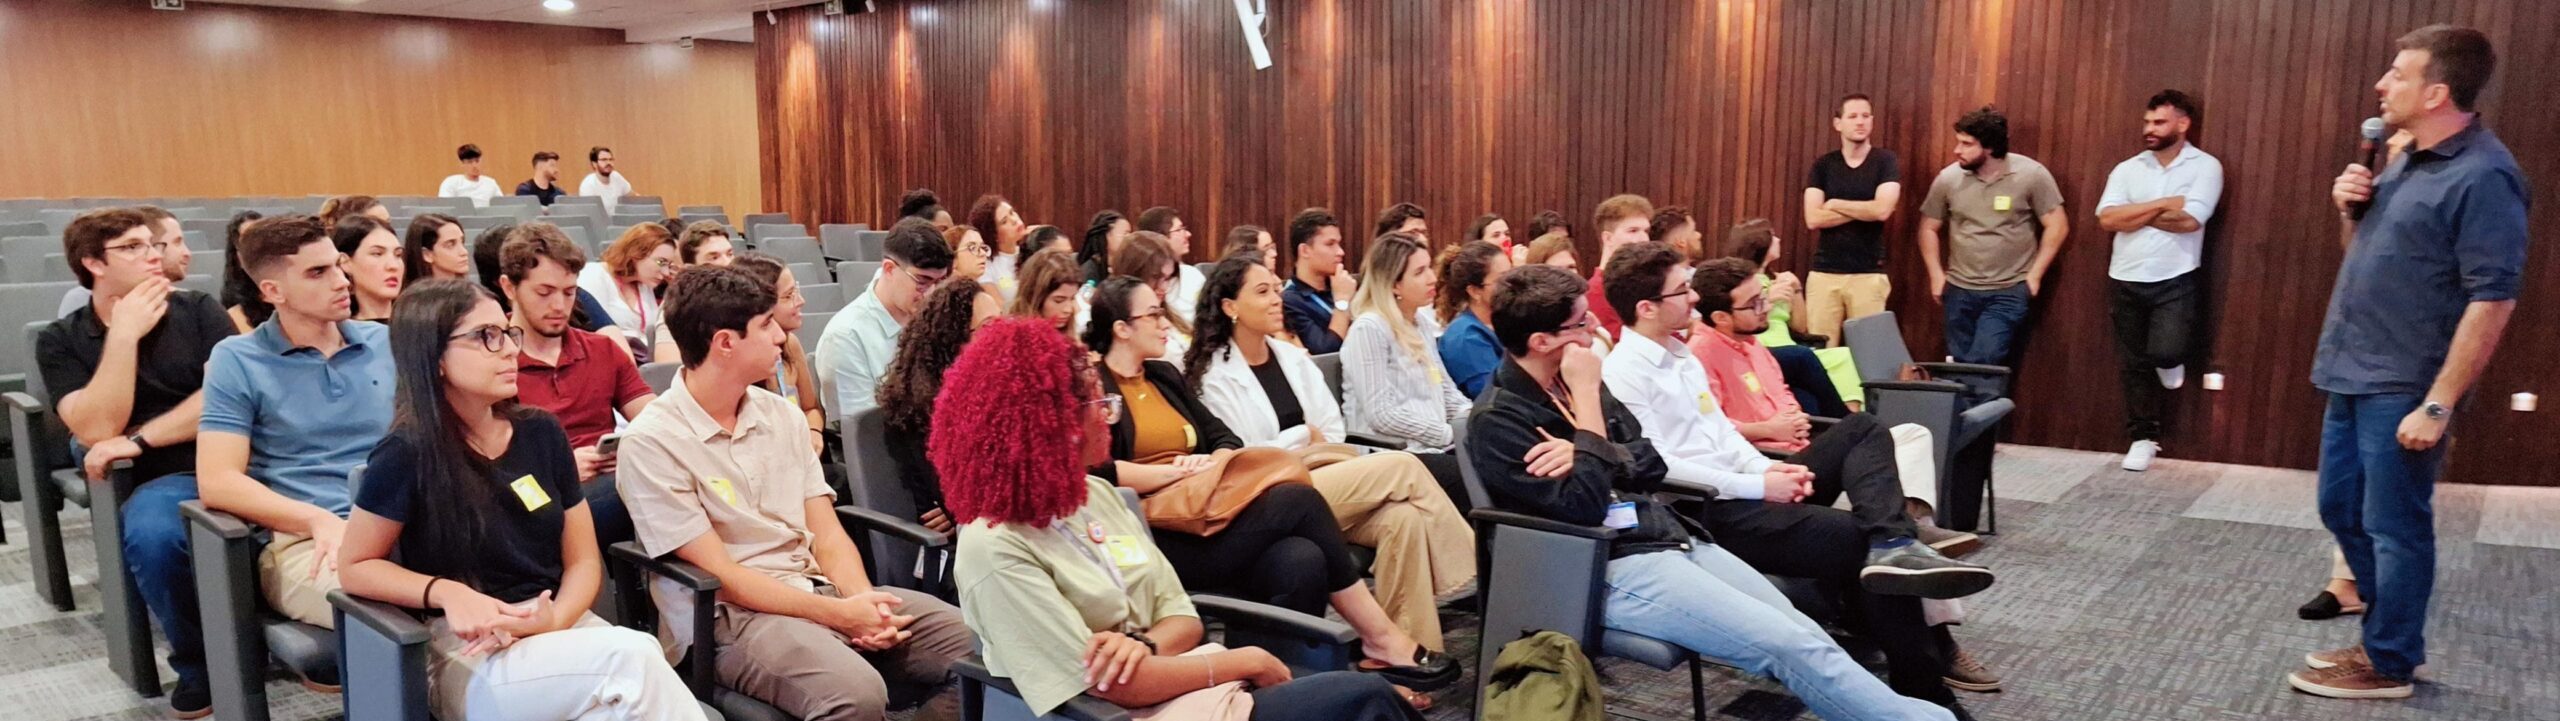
[2436, 411]
[139, 442]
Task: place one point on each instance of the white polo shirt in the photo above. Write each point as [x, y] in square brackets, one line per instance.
[1666, 388]
[2151, 255]
[456, 186]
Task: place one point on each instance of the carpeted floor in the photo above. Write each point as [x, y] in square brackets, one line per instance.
[2156, 596]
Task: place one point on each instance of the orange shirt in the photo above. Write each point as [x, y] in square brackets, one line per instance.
[1744, 377]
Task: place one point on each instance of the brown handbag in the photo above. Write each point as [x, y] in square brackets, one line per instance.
[1203, 503]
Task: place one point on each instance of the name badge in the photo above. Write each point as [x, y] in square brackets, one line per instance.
[2000, 203]
[721, 487]
[530, 491]
[1622, 516]
[1005, 284]
[1751, 381]
[1435, 376]
[1190, 438]
[1706, 403]
[1125, 551]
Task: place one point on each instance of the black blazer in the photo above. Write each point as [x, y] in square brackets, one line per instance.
[1209, 433]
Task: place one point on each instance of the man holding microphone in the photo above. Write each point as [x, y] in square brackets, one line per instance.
[2435, 249]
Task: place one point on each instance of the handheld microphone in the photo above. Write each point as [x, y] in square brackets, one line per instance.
[2371, 150]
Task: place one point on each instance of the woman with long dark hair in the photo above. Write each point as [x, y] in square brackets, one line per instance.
[239, 291]
[1102, 239]
[436, 249]
[1465, 307]
[371, 255]
[944, 320]
[479, 499]
[1039, 238]
[793, 376]
[1271, 394]
[1000, 226]
[1052, 290]
[1284, 547]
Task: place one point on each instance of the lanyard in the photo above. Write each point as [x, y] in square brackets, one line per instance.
[1087, 544]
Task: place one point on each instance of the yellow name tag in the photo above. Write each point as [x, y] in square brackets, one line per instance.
[1125, 551]
[2000, 203]
[530, 491]
[1751, 381]
[1706, 403]
[1005, 284]
[1190, 438]
[1435, 376]
[720, 487]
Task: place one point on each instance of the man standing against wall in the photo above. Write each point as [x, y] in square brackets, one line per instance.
[1991, 202]
[2435, 253]
[604, 183]
[1849, 196]
[2157, 203]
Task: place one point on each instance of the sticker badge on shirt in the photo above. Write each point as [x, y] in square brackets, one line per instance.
[1190, 438]
[530, 491]
[1706, 403]
[1005, 284]
[2000, 203]
[1751, 381]
[1125, 551]
[721, 487]
[1622, 516]
[1435, 376]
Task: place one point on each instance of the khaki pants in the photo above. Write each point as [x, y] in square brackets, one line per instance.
[1388, 501]
[811, 672]
[1833, 298]
[591, 671]
[286, 576]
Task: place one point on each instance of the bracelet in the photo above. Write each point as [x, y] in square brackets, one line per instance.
[424, 596]
[1213, 672]
[1142, 638]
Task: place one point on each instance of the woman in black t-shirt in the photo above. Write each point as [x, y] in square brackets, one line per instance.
[478, 500]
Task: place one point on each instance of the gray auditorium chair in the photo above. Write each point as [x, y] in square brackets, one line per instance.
[578, 234]
[515, 201]
[1962, 406]
[622, 218]
[240, 633]
[660, 376]
[684, 210]
[48, 478]
[807, 273]
[723, 220]
[1330, 365]
[882, 514]
[855, 277]
[385, 653]
[792, 250]
[823, 295]
[25, 255]
[813, 325]
[754, 224]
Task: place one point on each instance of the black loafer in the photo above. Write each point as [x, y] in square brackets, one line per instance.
[1431, 671]
[2324, 607]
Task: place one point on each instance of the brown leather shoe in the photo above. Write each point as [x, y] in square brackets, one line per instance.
[1952, 544]
[1966, 673]
[2336, 657]
[2349, 682]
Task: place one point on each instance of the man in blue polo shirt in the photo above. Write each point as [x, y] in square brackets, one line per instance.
[290, 408]
[2432, 268]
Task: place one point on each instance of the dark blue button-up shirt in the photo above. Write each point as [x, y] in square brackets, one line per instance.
[1309, 313]
[2446, 229]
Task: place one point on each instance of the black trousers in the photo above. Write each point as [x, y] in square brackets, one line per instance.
[1855, 457]
[1332, 696]
[1811, 384]
[1452, 479]
[1805, 540]
[1284, 549]
[2155, 329]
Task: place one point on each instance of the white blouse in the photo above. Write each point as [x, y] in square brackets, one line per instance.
[1389, 393]
[639, 322]
[1231, 391]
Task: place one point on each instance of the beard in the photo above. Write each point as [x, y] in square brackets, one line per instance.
[1975, 163]
[2157, 143]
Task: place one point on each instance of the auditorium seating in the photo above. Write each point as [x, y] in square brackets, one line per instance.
[47, 478]
[240, 633]
[1962, 405]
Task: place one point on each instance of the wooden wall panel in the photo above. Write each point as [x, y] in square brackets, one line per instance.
[114, 99]
[1513, 106]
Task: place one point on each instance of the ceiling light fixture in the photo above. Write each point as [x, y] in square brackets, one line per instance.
[559, 6]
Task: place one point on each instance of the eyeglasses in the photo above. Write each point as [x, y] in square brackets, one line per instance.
[1573, 326]
[1112, 407]
[493, 337]
[1758, 304]
[1157, 314]
[1684, 290]
[127, 249]
[664, 263]
[923, 280]
[977, 249]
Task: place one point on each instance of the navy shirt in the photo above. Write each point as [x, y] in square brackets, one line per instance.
[1310, 316]
[519, 553]
[2446, 229]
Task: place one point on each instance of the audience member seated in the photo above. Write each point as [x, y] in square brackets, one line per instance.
[545, 183]
[699, 243]
[1320, 289]
[1489, 228]
[573, 374]
[1621, 220]
[858, 342]
[371, 253]
[1150, 258]
[604, 184]
[721, 476]
[1256, 239]
[1286, 540]
[1556, 249]
[1051, 290]
[1552, 443]
[793, 378]
[1055, 564]
[291, 408]
[127, 373]
[1038, 238]
[240, 295]
[999, 225]
[1825, 375]
[1185, 284]
[166, 240]
[1102, 238]
[922, 204]
[342, 207]
[1393, 385]
[1778, 516]
[969, 253]
[589, 314]
[479, 499]
[1466, 273]
[628, 282]
[1271, 394]
[950, 314]
[435, 249]
[469, 183]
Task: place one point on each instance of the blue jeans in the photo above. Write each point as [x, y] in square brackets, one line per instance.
[155, 552]
[1712, 603]
[1982, 323]
[2379, 500]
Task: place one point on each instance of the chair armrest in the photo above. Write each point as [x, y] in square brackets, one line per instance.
[224, 525]
[1236, 612]
[692, 577]
[1363, 439]
[1968, 369]
[701, 664]
[1084, 707]
[381, 618]
[1821, 422]
[1928, 386]
[865, 519]
[1813, 340]
[1508, 518]
[383, 658]
[23, 403]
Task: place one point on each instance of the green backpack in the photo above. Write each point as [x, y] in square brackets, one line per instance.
[1543, 677]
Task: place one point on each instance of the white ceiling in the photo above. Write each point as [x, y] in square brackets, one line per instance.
[641, 21]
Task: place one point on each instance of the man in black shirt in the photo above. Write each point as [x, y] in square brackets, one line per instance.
[546, 178]
[126, 371]
[1850, 195]
[1553, 444]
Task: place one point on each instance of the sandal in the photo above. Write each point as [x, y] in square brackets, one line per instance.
[2326, 606]
[1431, 670]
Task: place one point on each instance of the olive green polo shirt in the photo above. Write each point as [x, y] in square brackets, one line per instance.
[1991, 225]
[1038, 594]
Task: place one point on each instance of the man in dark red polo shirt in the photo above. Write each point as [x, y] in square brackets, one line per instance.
[1621, 219]
[576, 375]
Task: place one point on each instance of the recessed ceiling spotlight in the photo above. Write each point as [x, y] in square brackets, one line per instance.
[559, 6]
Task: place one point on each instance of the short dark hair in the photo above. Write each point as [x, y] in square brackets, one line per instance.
[919, 203]
[706, 299]
[1544, 221]
[543, 155]
[1749, 240]
[1634, 275]
[1841, 109]
[270, 241]
[1715, 281]
[1304, 226]
[597, 153]
[529, 244]
[1159, 219]
[1666, 218]
[468, 152]
[87, 237]
[1533, 299]
[915, 244]
[2173, 98]
[350, 232]
[1475, 230]
[153, 214]
[2459, 57]
[689, 243]
[485, 252]
[1242, 237]
[1988, 127]
[1394, 216]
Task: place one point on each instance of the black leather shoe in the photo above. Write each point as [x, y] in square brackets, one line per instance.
[2325, 606]
[1431, 671]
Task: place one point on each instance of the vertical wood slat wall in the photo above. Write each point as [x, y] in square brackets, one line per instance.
[1514, 106]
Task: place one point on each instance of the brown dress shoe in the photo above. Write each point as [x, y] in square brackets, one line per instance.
[2349, 682]
[2336, 657]
[1966, 673]
[1952, 544]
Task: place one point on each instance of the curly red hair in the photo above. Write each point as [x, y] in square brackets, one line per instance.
[1008, 426]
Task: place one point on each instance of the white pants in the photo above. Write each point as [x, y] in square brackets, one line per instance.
[593, 671]
[1915, 455]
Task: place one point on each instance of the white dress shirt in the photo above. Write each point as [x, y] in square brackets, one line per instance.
[2148, 254]
[855, 350]
[1666, 388]
[610, 190]
[1390, 393]
[480, 191]
[1231, 392]
[1187, 282]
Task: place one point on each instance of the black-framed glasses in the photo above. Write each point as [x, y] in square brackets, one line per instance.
[1684, 290]
[493, 337]
[127, 249]
[1573, 326]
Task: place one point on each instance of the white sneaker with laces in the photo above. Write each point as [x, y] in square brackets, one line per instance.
[2138, 458]
[2172, 378]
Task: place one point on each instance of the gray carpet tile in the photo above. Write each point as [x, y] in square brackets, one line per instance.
[2123, 596]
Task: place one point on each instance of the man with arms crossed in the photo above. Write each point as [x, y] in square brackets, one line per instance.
[2432, 270]
[1849, 196]
[2157, 203]
[1991, 203]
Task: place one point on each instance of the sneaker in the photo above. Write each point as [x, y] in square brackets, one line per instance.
[2138, 458]
[1914, 569]
[2172, 378]
[2349, 682]
[2336, 657]
[190, 702]
[1966, 673]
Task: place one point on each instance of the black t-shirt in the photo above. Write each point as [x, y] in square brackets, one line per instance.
[1284, 399]
[1858, 245]
[519, 555]
[169, 366]
[528, 188]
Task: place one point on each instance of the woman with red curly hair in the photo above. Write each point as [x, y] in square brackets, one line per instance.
[1053, 562]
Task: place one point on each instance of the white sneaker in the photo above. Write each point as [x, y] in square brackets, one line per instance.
[2138, 458]
[2172, 378]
